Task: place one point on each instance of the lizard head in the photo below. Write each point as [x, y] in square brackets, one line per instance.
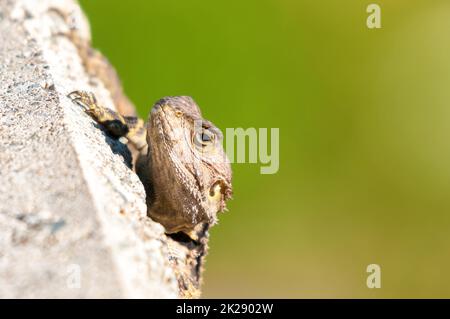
[190, 172]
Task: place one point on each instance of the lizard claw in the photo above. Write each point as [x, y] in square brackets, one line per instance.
[113, 122]
[86, 100]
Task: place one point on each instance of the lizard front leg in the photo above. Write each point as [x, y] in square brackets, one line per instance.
[131, 127]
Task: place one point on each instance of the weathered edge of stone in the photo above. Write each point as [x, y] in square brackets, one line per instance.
[72, 214]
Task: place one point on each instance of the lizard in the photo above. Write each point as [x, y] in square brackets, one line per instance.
[178, 156]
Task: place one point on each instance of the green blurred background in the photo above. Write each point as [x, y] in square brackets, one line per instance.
[364, 134]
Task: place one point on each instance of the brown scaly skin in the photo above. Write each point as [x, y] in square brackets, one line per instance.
[185, 148]
[179, 158]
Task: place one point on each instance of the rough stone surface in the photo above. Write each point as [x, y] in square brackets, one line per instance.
[72, 214]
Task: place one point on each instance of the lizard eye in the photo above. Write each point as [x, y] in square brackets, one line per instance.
[178, 113]
[204, 138]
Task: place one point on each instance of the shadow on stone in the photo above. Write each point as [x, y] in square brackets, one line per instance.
[117, 147]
